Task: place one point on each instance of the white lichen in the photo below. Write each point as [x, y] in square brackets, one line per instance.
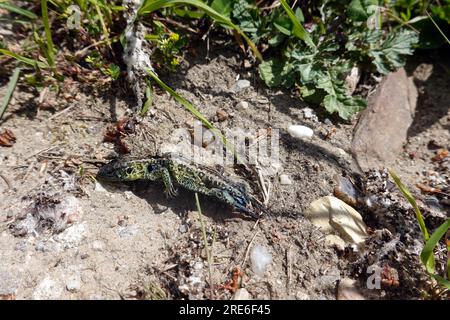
[135, 55]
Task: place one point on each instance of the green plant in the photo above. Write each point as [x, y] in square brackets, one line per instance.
[150, 6]
[168, 46]
[49, 51]
[109, 69]
[430, 17]
[21, 11]
[347, 35]
[9, 91]
[205, 241]
[430, 242]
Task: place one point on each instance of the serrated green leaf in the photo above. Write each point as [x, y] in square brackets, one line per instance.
[390, 54]
[360, 10]
[271, 72]
[345, 106]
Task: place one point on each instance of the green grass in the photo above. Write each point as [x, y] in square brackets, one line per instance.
[21, 11]
[50, 52]
[205, 241]
[430, 242]
[298, 30]
[437, 27]
[9, 91]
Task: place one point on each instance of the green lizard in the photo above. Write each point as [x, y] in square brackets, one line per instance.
[178, 173]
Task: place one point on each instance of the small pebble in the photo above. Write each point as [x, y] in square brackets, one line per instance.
[222, 115]
[128, 195]
[301, 132]
[97, 245]
[242, 105]
[260, 259]
[198, 266]
[309, 113]
[74, 283]
[285, 179]
[241, 85]
[183, 228]
[207, 138]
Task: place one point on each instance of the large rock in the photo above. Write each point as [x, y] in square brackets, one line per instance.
[382, 128]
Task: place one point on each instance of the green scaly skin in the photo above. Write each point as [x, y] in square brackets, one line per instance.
[176, 173]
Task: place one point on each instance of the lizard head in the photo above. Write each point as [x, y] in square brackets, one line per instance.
[118, 170]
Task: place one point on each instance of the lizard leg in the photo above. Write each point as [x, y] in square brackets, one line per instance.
[237, 202]
[163, 175]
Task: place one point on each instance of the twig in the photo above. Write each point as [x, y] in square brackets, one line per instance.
[248, 249]
[30, 168]
[43, 150]
[81, 53]
[61, 112]
[208, 254]
[176, 23]
[288, 269]
[6, 181]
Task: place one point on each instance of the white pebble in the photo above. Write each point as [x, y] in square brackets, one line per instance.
[260, 259]
[298, 131]
[241, 85]
[97, 245]
[242, 105]
[285, 179]
[74, 283]
[309, 114]
[128, 195]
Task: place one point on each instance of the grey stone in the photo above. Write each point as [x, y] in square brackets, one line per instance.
[382, 128]
[241, 85]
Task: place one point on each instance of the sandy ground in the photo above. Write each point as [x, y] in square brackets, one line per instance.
[130, 241]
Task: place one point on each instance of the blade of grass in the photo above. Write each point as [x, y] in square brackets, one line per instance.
[29, 61]
[152, 5]
[430, 263]
[9, 91]
[428, 249]
[447, 242]
[442, 281]
[437, 27]
[18, 10]
[48, 35]
[299, 30]
[413, 203]
[100, 17]
[192, 109]
[148, 101]
[205, 240]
